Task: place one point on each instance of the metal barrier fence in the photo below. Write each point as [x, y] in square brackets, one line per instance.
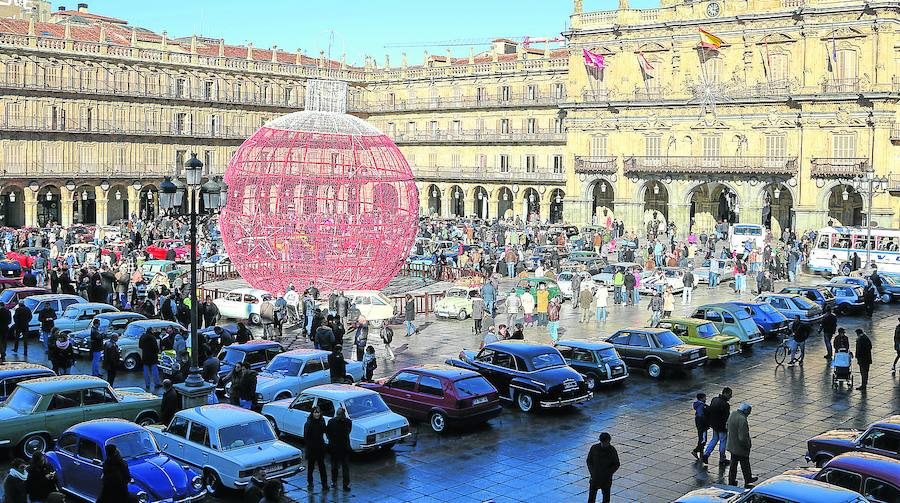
[219, 272]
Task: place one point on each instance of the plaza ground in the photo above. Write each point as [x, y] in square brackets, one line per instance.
[541, 457]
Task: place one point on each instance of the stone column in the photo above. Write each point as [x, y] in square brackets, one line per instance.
[631, 213]
[577, 211]
[66, 210]
[134, 198]
[446, 197]
[30, 207]
[680, 214]
[807, 218]
[544, 211]
[101, 203]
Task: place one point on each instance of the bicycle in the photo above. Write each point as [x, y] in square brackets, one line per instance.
[782, 351]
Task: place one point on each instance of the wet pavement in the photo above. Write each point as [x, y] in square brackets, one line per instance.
[541, 456]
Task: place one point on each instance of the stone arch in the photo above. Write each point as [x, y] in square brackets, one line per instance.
[654, 197]
[600, 203]
[705, 206]
[433, 199]
[117, 203]
[48, 209]
[84, 205]
[12, 206]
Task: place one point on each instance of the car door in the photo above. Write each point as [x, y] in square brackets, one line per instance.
[99, 403]
[881, 441]
[64, 303]
[255, 359]
[880, 491]
[641, 346]
[399, 392]
[841, 478]
[231, 306]
[88, 463]
[429, 395]
[296, 415]
[731, 326]
[63, 410]
[175, 437]
[621, 341]
[66, 452]
[198, 443]
[715, 316]
[315, 372]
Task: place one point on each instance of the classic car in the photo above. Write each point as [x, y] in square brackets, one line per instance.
[82, 233]
[12, 373]
[129, 341]
[10, 273]
[84, 253]
[778, 489]
[848, 298]
[39, 410]
[227, 444]
[875, 476]
[444, 396]
[532, 284]
[769, 320]
[374, 425]
[11, 296]
[598, 362]
[155, 477]
[606, 274]
[705, 334]
[672, 276]
[881, 437]
[114, 251]
[791, 305]
[114, 322]
[818, 294]
[151, 268]
[731, 320]
[159, 249]
[243, 304]
[291, 372]
[726, 271]
[219, 259]
[457, 303]
[564, 281]
[530, 375]
[59, 302]
[657, 350]
[890, 288]
[254, 353]
[25, 256]
[79, 316]
[373, 305]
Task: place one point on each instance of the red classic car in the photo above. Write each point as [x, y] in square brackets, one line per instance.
[160, 248]
[25, 256]
[440, 394]
[115, 249]
[82, 233]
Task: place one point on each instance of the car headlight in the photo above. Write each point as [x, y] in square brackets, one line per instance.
[197, 483]
[143, 497]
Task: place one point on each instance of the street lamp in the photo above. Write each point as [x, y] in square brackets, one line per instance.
[871, 184]
[49, 196]
[104, 185]
[70, 186]
[118, 195]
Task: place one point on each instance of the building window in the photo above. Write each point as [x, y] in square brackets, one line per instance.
[504, 126]
[454, 159]
[151, 157]
[713, 69]
[598, 146]
[559, 91]
[53, 76]
[504, 93]
[480, 94]
[209, 161]
[287, 95]
[391, 129]
[120, 156]
[179, 161]
[391, 99]
[433, 127]
[843, 146]
[411, 127]
[531, 92]
[531, 126]
[652, 146]
[530, 164]
[557, 125]
[152, 83]
[776, 146]
[432, 159]
[13, 113]
[214, 125]
[712, 146]
[778, 68]
[456, 127]
[482, 161]
[14, 73]
[181, 123]
[558, 164]
[504, 163]
[57, 118]
[209, 90]
[846, 64]
[181, 88]
[238, 91]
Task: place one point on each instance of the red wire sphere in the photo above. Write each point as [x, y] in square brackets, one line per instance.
[317, 197]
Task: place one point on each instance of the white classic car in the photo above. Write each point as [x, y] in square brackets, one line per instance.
[726, 271]
[373, 305]
[564, 280]
[243, 304]
[227, 444]
[672, 276]
[291, 372]
[374, 425]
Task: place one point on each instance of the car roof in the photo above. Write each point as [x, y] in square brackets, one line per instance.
[720, 305]
[643, 330]
[305, 352]
[155, 323]
[520, 348]
[27, 289]
[891, 422]
[783, 295]
[101, 430]
[686, 321]
[876, 465]
[158, 262]
[57, 384]
[795, 488]
[93, 304]
[337, 391]
[113, 315]
[22, 368]
[252, 291]
[441, 370]
[221, 415]
[255, 344]
[589, 345]
[55, 296]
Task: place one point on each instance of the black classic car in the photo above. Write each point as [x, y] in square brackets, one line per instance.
[598, 362]
[531, 375]
[881, 437]
[656, 349]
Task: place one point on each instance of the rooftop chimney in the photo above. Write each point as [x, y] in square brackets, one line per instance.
[82, 7]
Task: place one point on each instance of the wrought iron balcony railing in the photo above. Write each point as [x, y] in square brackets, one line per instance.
[129, 128]
[841, 86]
[93, 170]
[488, 174]
[595, 165]
[482, 136]
[732, 165]
[843, 167]
[463, 102]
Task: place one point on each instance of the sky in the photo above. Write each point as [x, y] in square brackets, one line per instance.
[358, 28]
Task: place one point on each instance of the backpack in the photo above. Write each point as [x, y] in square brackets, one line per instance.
[387, 335]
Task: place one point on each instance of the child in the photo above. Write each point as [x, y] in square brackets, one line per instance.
[701, 422]
[369, 363]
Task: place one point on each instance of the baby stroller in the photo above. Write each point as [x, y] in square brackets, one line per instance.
[841, 371]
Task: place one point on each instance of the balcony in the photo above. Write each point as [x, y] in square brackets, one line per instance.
[843, 167]
[467, 102]
[721, 165]
[895, 133]
[127, 128]
[594, 165]
[474, 174]
[96, 170]
[841, 86]
[481, 136]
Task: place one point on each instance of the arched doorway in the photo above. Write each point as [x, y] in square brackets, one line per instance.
[712, 202]
[556, 206]
[434, 200]
[656, 201]
[148, 203]
[84, 205]
[777, 208]
[117, 203]
[531, 201]
[602, 201]
[49, 206]
[481, 202]
[845, 206]
[504, 203]
[12, 207]
[457, 201]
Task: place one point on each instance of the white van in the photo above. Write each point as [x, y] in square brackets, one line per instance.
[740, 233]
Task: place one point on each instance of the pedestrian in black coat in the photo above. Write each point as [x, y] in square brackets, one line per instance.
[243, 333]
[863, 356]
[829, 327]
[116, 476]
[5, 322]
[248, 389]
[602, 462]
[314, 439]
[41, 479]
[62, 354]
[324, 337]
[21, 320]
[338, 433]
[337, 366]
[111, 356]
[210, 312]
[171, 403]
[14, 490]
[717, 414]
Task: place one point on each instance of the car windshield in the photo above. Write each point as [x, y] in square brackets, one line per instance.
[608, 354]
[232, 356]
[706, 330]
[472, 386]
[285, 365]
[366, 405]
[6, 296]
[546, 360]
[243, 435]
[667, 339]
[151, 268]
[135, 444]
[804, 303]
[888, 280]
[766, 308]
[134, 331]
[23, 400]
[71, 313]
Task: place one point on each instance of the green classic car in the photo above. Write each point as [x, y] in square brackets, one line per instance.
[532, 285]
[703, 333]
[39, 410]
[457, 303]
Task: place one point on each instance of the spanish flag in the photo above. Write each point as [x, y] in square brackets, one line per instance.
[709, 41]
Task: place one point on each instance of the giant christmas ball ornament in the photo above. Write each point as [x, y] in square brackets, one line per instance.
[319, 198]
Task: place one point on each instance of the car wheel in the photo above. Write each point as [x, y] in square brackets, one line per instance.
[840, 310]
[886, 298]
[525, 401]
[348, 379]
[591, 381]
[33, 444]
[821, 459]
[283, 395]
[255, 319]
[846, 269]
[438, 422]
[654, 370]
[147, 419]
[462, 315]
[211, 482]
[131, 362]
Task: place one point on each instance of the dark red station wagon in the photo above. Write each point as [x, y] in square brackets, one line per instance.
[440, 394]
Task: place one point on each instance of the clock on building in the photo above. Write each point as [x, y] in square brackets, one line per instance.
[713, 9]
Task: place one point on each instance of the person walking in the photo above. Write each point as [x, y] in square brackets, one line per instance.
[701, 422]
[171, 403]
[602, 462]
[111, 355]
[387, 337]
[528, 307]
[829, 326]
[338, 433]
[655, 307]
[477, 313]
[601, 301]
[21, 320]
[247, 389]
[409, 312]
[738, 444]
[717, 414]
[361, 337]
[489, 295]
[896, 348]
[62, 354]
[668, 302]
[687, 295]
[618, 285]
[96, 344]
[586, 303]
[542, 303]
[116, 477]
[46, 317]
[869, 299]
[863, 356]
[314, 440]
[511, 257]
[553, 309]
[630, 283]
[337, 366]
[513, 307]
[234, 377]
[149, 358]
[576, 289]
[324, 337]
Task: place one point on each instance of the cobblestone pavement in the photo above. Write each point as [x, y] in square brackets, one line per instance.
[541, 457]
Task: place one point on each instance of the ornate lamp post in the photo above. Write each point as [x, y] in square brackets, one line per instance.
[870, 184]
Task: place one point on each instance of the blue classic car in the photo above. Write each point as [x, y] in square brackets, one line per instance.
[731, 320]
[782, 488]
[110, 323]
[59, 302]
[256, 354]
[12, 373]
[848, 297]
[155, 477]
[890, 287]
[598, 362]
[769, 320]
[792, 305]
[818, 294]
[79, 316]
